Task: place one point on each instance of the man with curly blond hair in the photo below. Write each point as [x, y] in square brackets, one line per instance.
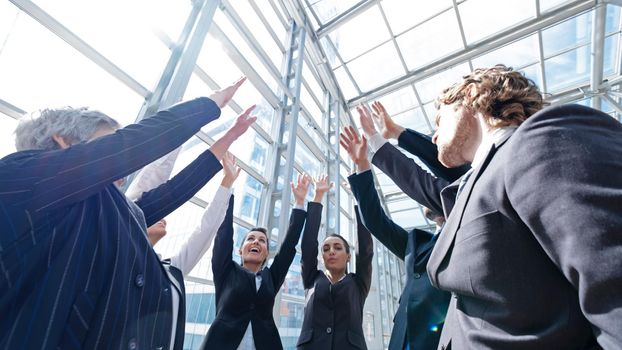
[532, 249]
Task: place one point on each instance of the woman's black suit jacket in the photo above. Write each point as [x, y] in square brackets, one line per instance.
[333, 312]
[237, 301]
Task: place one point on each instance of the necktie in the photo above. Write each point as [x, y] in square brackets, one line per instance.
[463, 182]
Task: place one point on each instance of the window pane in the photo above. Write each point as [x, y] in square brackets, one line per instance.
[403, 15]
[345, 83]
[39, 70]
[431, 87]
[368, 25]
[122, 30]
[567, 69]
[516, 54]
[567, 34]
[382, 61]
[413, 119]
[475, 29]
[327, 10]
[399, 101]
[431, 40]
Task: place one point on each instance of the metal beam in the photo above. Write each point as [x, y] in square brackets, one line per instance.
[77, 43]
[476, 49]
[11, 110]
[342, 18]
[613, 104]
[598, 48]
[614, 2]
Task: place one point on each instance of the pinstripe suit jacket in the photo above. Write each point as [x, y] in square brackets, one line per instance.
[76, 269]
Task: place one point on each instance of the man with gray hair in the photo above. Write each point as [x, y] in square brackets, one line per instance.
[76, 269]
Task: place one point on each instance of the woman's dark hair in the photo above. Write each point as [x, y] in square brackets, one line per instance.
[265, 232]
[345, 243]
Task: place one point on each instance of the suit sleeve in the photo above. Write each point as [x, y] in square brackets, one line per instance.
[52, 179]
[287, 250]
[364, 255]
[417, 183]
[373, 216]
[421, 146]
[223, 247]
[309, 244]
[169, 196]
[565, 183]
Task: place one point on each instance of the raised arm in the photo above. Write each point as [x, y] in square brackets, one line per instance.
[415, 143]
[565, 183]
[52, 179]
[152, 175]
[287, 250]
[223, 246]
[163, 200]
[373, 216]
[364, 255]
[201, 239]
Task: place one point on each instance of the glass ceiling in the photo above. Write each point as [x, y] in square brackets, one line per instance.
[404, 53]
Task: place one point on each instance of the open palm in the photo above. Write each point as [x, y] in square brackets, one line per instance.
[355, 146]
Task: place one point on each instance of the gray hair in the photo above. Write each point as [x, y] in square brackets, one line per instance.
[74, 124]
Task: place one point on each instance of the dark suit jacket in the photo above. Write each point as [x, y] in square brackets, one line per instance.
[76, 269]
[333, 312]
[422, 308]
[531, 249]
[237, 300]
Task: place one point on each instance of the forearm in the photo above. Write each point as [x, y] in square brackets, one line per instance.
[223, 244]
[309, 245]
[220, 147]
[201, 239]
[163, 200]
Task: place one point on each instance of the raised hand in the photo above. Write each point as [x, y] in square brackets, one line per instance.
[355, 146]
[367, 123]
[222, 97]
[301, 188]
[231, 170]
[242, 123]
[321, 187]
[239, 127]
[388, 127]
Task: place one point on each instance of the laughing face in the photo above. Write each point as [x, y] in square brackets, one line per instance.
[254, 250]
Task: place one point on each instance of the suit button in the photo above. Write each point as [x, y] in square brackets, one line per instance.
[417, 275]
[165, 290]
[132, 345]
[329, 330]
[139, 280]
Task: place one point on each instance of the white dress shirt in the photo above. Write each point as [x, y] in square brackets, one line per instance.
[201, 238]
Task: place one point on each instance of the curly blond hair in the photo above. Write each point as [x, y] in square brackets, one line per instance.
[502, 95]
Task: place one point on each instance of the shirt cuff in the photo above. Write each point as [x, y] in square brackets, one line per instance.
[376, 141]
[362, 172]
[299, 206]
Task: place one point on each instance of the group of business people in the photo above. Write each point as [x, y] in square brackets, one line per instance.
[528, 257]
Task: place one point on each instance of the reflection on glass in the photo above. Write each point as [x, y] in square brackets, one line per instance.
[306, 159]
[567, 69]
[568, 34]
[293, 280]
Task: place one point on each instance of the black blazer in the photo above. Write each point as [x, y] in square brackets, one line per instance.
[421, 313]
[76, 269]
[237, 300]
[532, 248]
[333, 312]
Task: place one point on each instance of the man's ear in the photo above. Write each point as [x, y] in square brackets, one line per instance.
[62, 142]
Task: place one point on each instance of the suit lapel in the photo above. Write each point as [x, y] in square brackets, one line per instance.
[456, 212]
